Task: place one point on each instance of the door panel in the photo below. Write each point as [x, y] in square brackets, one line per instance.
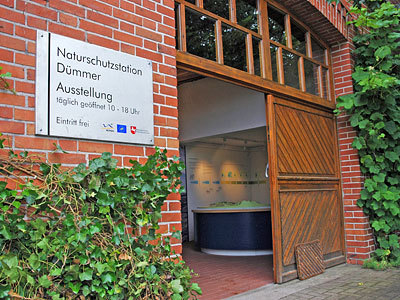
[304, 142]
[305, 183]
[306, 218]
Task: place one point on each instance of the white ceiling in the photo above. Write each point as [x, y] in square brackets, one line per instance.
[247, 138]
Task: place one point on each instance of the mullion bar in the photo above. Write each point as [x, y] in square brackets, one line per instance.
[288, 30]
[279, 64]
[302, 76]
[232, 11]
[200, 3]
[218, 42]
[308, 44]
[265, 56]
[320, 83]
[182, 28]
[249, 54]
[329, 84]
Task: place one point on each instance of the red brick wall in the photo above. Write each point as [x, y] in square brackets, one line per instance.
[144, 28]
[359, 239]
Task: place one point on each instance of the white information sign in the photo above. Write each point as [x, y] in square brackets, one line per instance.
[90, 92]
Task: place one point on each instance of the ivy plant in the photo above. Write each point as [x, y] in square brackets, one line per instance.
[375, 113]
[89, 233]
[4, 85]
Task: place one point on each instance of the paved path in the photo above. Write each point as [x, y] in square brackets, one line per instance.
[341, 282]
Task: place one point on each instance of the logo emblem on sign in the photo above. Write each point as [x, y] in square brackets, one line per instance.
[121, 128]
[108, 127]
[133, 129]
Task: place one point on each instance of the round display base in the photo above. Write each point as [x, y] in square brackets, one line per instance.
[236, 252]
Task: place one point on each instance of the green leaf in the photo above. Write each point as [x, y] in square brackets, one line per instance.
[78, 177]
[16, 204]
[107, 278]
[195, 287]
[30, 280]
[4, 289]
[95, 228]
[176, 297]
[10, 260]
[101, 267]
[120, 228]
[45, 168]
[43, 244]
[75, 287]
[85, 290]
[394, 241]
[95, 182]
[176, 234]
[55, 272]
[146, 188]
[96, 164]
[6, 233]
[379, 177]
[45, 281]
[58, 148]
[103, 198]
[383, 51]
[142, 264]
[363, 124]
[357, 144]
[39, 225]
[86, 275]
[176, 286]
[391, 127]
[392, 156]
[34, 261]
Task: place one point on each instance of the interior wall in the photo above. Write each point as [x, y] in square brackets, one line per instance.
[260, 183]
[210, 107]
[220, 173]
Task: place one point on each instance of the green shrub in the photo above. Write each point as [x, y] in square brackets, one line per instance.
[379, 264]
[374, 111]
[66, 234]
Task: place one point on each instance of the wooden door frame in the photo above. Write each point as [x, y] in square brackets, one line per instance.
[270, 89]
[273, 188]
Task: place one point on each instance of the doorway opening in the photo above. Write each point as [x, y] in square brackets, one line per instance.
[226, 219]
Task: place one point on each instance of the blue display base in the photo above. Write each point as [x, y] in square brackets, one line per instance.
[233, 230]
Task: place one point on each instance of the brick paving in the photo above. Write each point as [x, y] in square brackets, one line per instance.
[224, 276]
[341, 282]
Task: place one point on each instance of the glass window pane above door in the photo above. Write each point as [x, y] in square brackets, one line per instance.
[247, 14]
[274, 65]
[311, 77]
[298, 37]
[318, 52]
[256, 56]
[200, 35]
[234, 45]
[276, 22]
[218, 7]
[291, 69]
[325, 83]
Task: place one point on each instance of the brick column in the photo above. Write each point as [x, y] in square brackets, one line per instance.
[359, 238]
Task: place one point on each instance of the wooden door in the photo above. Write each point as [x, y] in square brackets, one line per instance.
[305, 189]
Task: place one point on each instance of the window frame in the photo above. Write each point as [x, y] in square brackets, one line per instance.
[187, 60]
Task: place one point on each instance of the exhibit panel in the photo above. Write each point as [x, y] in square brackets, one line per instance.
[225, 175]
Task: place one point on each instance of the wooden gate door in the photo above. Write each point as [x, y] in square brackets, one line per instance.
[305, 189]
